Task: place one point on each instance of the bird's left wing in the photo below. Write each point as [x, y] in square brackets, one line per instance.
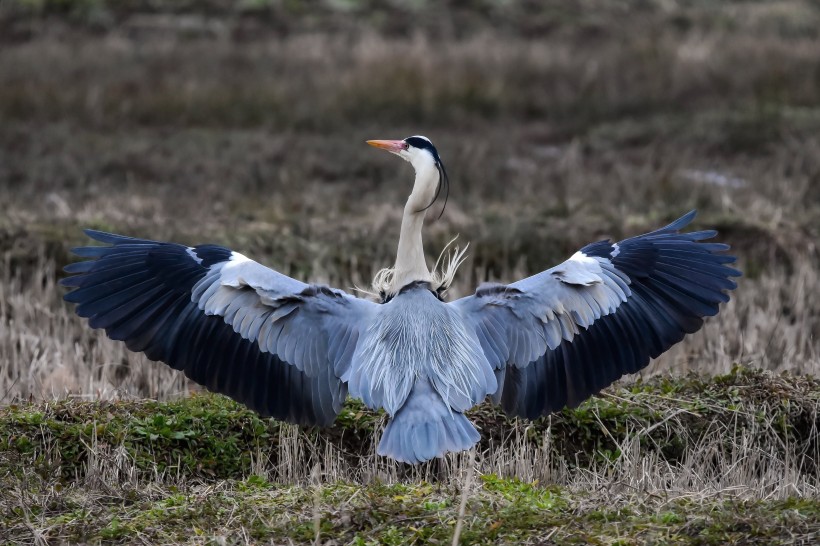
[564, 334]
[271, 342]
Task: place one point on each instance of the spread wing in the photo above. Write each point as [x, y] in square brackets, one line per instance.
[268, 341]
[566, 333]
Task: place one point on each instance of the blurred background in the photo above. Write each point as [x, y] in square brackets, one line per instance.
[243, 124]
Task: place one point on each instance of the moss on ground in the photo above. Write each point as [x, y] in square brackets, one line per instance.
[498, 511]
[210, 436]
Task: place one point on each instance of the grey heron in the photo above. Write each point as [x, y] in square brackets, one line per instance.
[295, 351]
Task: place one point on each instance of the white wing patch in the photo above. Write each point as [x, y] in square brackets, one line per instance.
[192, 253]
[242, 271]
[580, 269]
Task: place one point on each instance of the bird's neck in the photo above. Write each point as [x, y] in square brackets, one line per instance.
[410, 262]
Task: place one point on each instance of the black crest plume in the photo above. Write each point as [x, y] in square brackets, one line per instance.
[443, 179]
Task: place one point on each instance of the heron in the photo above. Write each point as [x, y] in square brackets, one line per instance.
[295, 351]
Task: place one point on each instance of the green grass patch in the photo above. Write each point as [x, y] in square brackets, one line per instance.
[499, 511]
[211, 436]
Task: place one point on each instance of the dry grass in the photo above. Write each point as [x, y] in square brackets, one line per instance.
[46, 352]
[746, 471]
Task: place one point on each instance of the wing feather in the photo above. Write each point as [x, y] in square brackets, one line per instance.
[601, 314]
[227, 322]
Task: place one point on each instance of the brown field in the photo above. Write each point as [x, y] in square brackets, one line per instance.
[244, 125]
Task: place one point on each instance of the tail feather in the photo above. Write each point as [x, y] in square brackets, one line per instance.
[425, 427]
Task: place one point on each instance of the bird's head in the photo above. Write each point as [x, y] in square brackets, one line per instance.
[419, 152]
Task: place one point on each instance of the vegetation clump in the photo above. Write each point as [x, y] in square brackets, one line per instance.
[210, 436]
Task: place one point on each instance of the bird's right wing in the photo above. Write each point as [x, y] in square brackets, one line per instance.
[271, 342]
[564, 334]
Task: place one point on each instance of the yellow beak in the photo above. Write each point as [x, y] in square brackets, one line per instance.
[394, 146]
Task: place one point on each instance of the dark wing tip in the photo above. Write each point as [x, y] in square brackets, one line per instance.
[105, 237]
[69, 282]
[683, 221]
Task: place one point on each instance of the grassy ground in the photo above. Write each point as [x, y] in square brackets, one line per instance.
[675, 461]
[560, 123]
[668, 417]
[498, 511]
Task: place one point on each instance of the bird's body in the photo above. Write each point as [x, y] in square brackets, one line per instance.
[421, 362]
[294, 350]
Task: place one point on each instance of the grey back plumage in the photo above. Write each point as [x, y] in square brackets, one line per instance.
[417, 335]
